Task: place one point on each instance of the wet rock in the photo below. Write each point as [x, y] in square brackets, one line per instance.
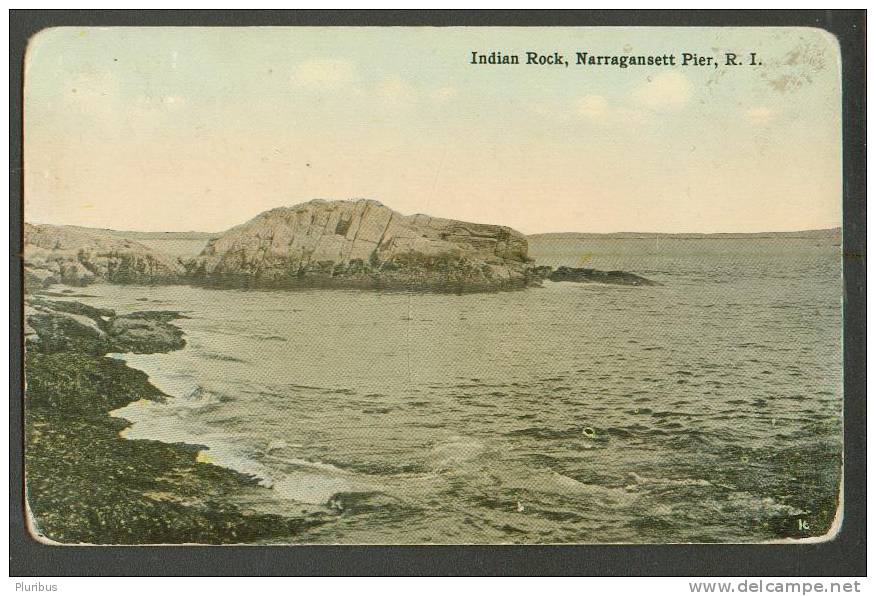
[62, 332]
[145, 332]
[86, 484]
[65, 326]
[76, 308]
[622, 278]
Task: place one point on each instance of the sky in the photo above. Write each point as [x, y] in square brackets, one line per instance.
[176, 129]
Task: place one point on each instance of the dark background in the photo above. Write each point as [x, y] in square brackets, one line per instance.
[843, 556]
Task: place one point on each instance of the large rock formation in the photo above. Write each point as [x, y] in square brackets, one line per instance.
[363, 244]
[347, 244]
[58, 254]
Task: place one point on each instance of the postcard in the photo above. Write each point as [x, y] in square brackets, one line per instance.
[433, 285]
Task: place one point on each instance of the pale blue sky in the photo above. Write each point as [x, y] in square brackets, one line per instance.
[187, 128]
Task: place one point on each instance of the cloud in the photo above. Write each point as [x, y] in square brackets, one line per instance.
[154, 104]
[444, 93]
[323, 72]
[760, 115]
[173, 101]
[597, 109]
[593, 107]
[664, 92]
[396, 90]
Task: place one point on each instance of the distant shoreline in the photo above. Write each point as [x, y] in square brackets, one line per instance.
[803, 234]
[358, 243]
[827, 233]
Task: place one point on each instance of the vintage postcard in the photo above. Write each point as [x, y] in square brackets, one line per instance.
[433, 285]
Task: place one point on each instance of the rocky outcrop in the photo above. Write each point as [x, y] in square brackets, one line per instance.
[337, 244]
[61, 326]
[363, 244]
[58, 254]
[86, 483]
[621, 278]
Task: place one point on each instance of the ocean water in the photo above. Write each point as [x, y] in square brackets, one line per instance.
[705, 410]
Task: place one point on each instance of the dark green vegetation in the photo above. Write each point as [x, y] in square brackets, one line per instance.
[86, 484]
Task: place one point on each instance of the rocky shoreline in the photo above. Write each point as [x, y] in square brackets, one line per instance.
[85, 483]
[318, 244]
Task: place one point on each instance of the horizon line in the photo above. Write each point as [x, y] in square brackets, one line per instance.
[615, 233]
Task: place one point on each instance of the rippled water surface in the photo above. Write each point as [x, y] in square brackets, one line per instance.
[708, 409]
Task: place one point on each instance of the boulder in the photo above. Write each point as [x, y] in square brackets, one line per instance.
[363, 243]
